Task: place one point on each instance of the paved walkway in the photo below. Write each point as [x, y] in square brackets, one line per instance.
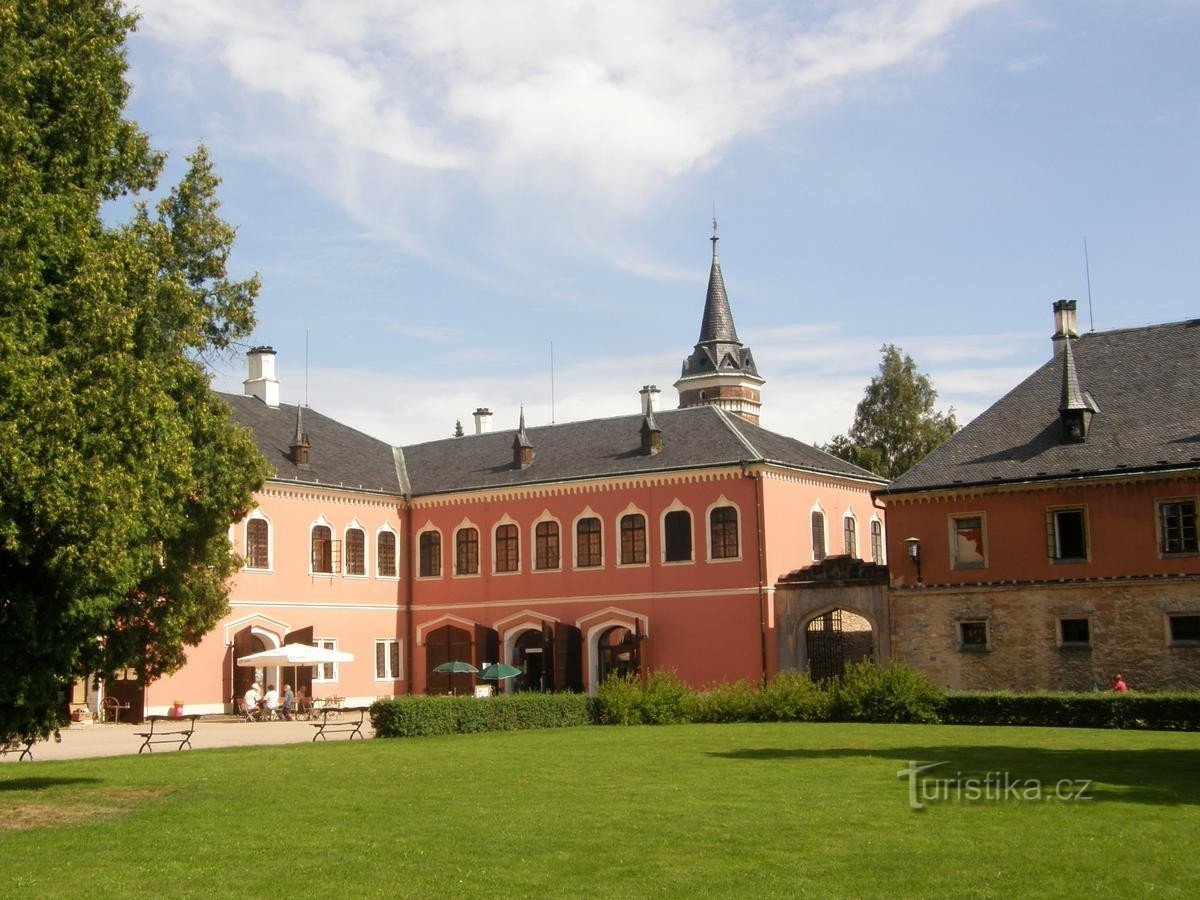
[84, 741]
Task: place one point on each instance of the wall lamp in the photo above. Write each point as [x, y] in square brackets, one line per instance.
[914, 553]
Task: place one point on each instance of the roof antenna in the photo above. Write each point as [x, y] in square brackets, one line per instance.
[306, 367]
[552, 382]
[714, 238]
[1088, 269]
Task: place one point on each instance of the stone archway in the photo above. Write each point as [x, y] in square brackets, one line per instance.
[832, 613]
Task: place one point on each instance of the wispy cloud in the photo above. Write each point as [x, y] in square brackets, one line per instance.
[1026, 63]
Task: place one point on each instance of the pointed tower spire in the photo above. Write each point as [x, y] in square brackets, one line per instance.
[1076, 408]
[522, 447]
[720, 371]
[298, 451]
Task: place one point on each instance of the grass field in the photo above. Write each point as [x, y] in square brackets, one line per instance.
[726, 810]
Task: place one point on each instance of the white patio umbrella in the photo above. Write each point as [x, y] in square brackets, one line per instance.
[295, 655]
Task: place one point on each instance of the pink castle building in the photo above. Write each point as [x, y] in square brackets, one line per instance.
[570, 551]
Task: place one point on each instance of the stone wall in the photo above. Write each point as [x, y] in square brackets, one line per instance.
[1127, 622]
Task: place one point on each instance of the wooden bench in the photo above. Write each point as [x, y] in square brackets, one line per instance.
[24, 747]
[161, 732]
[331, 721]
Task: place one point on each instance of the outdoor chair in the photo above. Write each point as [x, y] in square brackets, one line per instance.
[252, 715]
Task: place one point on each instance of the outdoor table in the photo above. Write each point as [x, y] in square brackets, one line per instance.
[331, 721]
[26, 750]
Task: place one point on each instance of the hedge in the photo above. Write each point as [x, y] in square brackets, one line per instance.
[415, 716]
[1161, 712]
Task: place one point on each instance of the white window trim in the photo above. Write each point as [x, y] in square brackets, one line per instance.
[257, 513]
[587, 513]
[717, 504]
[355, 524]
[630, 510]
[544, 517]
[320, 667]
[395, 676]
[417, 576]
[676, 506]
[818, 508]
[1052, 515]
[506, 519]
[1158, 525]
[386, 528]
[478, 573]
[952, 538]
[875, 520]
[319, 522]
[852, 551]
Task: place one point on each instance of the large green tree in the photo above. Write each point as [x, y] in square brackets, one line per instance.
[895, 424]
[120, 471]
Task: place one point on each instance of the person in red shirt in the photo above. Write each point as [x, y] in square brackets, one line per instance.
[1119, 684]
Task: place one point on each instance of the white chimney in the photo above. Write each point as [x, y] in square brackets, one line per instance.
[483, 420]
[1065, 325]
[262, 382]
[649, 394]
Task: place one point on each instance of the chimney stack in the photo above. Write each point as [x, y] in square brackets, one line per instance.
[649, 394]
[261, 382]
[1065, 324]
[483, 420]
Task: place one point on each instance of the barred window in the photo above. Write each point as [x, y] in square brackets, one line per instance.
[877, 542]
[546, 540]
[322, 549]
[633, 539]
[818, 535]
[258, 544]
[588, 545]
[1178, 526]
[724, 530]
[466, 552]
[356, 552]
[385, 554]
[430, 550]
[849, 536]
[508, 557]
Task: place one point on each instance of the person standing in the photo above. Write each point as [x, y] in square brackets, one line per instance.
[289, 702]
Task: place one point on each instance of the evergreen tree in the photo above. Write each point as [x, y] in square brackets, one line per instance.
[120, 471]
[895, 424]
[458, 429]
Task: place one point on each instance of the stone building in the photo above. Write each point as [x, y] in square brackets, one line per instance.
[1052, 542]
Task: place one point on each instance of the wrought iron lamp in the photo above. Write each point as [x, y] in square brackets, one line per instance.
[914, 553]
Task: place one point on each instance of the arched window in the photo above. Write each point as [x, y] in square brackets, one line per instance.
[466, 552]
[356, 551]
[258, 544]
[633, 539]
[322, 550]
[818, 535]
[508, 549]
[677, 536]
[430, 551]
[849, 536]
[588, 545]
[876, 542]
[724, 530]
[546, 545]
[385, 554]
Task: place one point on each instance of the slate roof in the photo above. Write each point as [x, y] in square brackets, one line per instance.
[699, 437]
[340, 455]
[1145, 383]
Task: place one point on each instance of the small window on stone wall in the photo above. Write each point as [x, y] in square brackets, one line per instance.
[1185, 630]
[1074, 632]
[973, 634]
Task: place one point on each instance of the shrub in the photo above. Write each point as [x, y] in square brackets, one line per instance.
[792, 697]
[618, 700]
[737, 702]
[867, 693]
[662, 699]
[418, 716]
[1168, 711]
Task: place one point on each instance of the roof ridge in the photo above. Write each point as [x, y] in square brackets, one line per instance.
[745, 441]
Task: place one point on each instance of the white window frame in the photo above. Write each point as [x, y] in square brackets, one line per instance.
[676, 506]
[1052, 514]
[818, 508]
[720, 502]
[355, 525]
[546, 516]
[426, 528]
[322, 522]
[877, 522]
[398, 675]
[506, 519]
[588, 513]
[630, 510]
[319, 668]
[257, 514]
[386, 528]
[461, 526]
[853, 550]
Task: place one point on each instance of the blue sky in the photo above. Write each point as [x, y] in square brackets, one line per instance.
[436, 192]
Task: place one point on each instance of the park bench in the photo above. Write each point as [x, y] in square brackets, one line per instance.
[161, 731]
[331, 721]
[24, 747]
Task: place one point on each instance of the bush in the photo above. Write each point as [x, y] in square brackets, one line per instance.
[418, 716]
[792, 697]
[618, 701]
[662, 699]
[1165, 712]
[737, 702]
[866, 693]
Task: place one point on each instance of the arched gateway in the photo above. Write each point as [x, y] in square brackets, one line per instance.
[830, 614]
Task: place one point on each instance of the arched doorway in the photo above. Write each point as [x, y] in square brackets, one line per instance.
[834, 638]
[529, 655]
[617, 653]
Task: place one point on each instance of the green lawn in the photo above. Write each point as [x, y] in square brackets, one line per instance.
[727, 810]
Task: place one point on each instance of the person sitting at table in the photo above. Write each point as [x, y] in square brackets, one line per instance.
[270, 701]
[304, 703]
[251, 701]
[289, 703]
